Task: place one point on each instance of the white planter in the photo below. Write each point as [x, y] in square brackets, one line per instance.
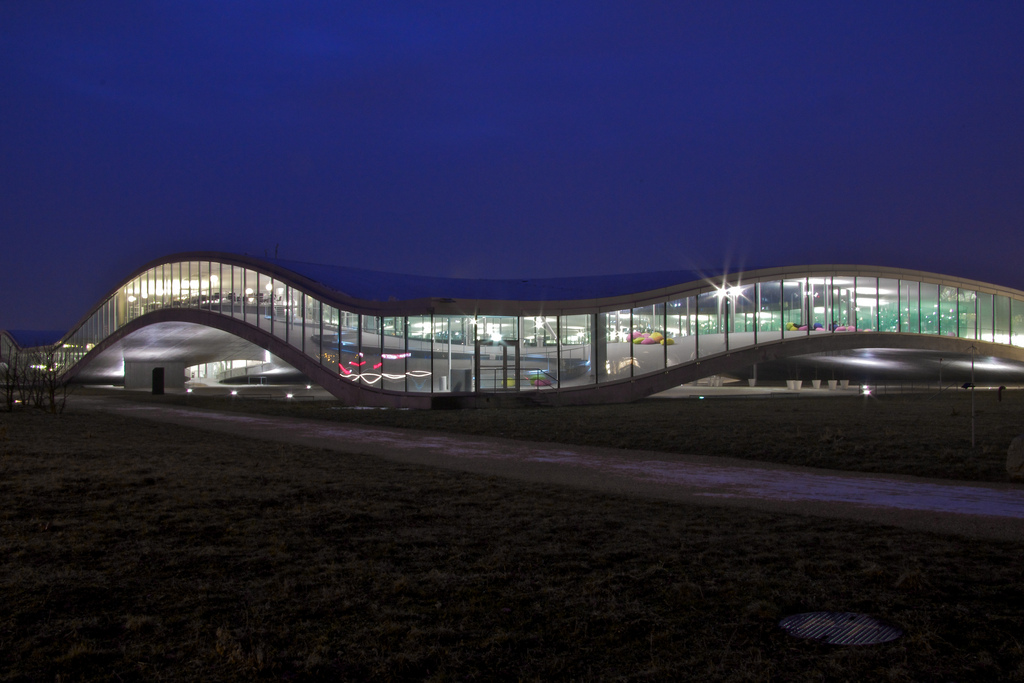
[844, 383]
[832, 384]
[816, 383]
[752, 382]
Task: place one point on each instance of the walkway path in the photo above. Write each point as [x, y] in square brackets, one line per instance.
[994, 511]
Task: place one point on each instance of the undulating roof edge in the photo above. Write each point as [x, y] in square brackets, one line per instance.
[370, 285]
[27, 339]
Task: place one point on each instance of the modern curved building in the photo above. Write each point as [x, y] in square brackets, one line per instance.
[408, 341]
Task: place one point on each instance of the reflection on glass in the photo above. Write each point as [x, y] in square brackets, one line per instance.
[311, 329]
[794, 307]
[614, 346]
[867, 303]
[929, 308]
[681, 326]
[769, 315]
[910, 312]
[986, 328]
[888, 305]
[538, 352]
[967, 313]
[394, 354]
[1002, 315]
[236, 298]
[329, 340]
[575, 364]
[742, 315]
[1017, 322]
[647, 337]
[948, 323]
[280, 308]
[418, 364]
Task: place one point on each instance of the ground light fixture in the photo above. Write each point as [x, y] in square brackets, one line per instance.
[839, 628]
[290, 395]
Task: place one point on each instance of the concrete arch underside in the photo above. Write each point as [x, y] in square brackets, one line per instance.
[192, 337]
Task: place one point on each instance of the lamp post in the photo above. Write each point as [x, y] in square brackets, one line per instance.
[973, 349]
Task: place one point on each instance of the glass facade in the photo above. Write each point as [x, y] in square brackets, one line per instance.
[435, 353]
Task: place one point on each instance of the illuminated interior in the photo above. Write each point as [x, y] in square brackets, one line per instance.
[434, 345]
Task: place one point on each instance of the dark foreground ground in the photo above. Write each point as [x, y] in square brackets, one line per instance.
[136, 551]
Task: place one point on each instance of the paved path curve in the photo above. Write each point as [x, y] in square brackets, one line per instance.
[994, 511]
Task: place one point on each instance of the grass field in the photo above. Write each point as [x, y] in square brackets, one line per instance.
[140, 551]
[918, 434]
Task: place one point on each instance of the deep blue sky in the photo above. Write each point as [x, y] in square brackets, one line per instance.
[505, 139]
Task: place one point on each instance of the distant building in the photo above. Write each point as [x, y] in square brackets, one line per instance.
[381, 339]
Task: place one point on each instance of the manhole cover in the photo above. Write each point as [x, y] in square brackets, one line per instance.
[840, 628]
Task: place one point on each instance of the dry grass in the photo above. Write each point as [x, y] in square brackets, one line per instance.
[924, 435]
[137, 551]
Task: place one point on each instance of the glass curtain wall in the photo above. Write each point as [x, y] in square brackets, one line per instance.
[967, 314]
[236, 293]
[948, 318]
[437, 353]
[794, 307]
[329, 341]
[539, 351]
[769, 315]
[1002, 316]
[929, 308]
[819, 302]
[844, 304]
[1017, 322]
[910, 306]
[742, 323]
[681, 328]
[280, 309]
[888, 305]
[393, 353]
[453, 353]
[312, 333]
[576, 367]
[986, 320]
[418, 363]
[369, 363]
[867, 304]
[616, 352]
[647, 338]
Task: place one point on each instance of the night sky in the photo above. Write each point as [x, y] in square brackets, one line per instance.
[485, 139]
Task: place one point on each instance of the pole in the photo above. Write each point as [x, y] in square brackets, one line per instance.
[972, 395]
